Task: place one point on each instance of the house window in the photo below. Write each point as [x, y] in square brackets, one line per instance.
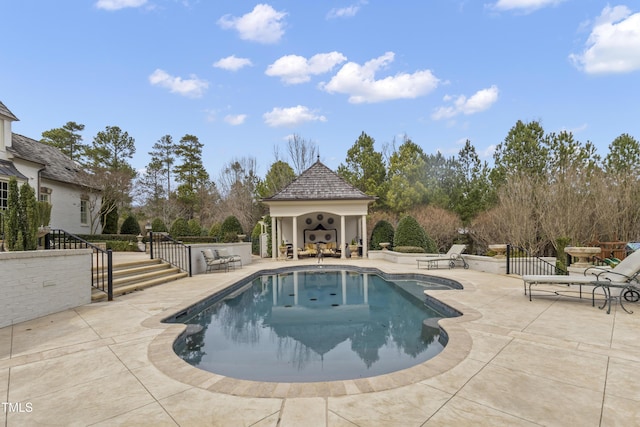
[4, 194]
[45, 194]
[84, 212]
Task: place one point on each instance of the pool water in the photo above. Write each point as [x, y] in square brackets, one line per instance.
[307, 326]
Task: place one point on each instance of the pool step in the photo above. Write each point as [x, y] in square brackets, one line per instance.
[138, 275]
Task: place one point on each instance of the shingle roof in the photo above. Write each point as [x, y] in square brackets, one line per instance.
[58, 166]
[8, 169]
[4, 111]
[319, 183]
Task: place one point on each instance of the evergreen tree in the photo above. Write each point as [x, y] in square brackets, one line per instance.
[67, 140]
[407, 167]
[190, 174]
[365, 169]
[12, 224]
[163, 158]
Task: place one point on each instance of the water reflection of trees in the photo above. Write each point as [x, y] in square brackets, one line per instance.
[391, 318]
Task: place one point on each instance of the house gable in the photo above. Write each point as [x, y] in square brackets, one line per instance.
[53, 175]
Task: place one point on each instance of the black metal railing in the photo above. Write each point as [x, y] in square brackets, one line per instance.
[520, 261]
[101, 259]
[164, 247]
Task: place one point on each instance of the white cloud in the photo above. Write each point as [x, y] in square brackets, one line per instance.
[292, 116]
[235, 120]
[359, 82]
[232, 63]
[480, 101]
[294, 69]
[524, 5]
[613, 45]
[346, 12]
[263, 24]
[192, 87]
[119, 4]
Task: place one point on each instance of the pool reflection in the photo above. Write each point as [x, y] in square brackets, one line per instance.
[307, 326]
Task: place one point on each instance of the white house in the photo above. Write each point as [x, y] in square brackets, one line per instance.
[54, 177]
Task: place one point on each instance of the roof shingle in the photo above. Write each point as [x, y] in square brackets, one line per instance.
[58, 166]
[319, 183]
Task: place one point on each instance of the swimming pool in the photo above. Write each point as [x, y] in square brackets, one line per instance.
[316, 324]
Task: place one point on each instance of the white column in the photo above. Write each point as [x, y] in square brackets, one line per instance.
[365, 243]
[295, 237]
[279, 236]
[274, 237]
[342, 241]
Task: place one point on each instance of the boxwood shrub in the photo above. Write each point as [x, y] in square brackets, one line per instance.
[410, 233]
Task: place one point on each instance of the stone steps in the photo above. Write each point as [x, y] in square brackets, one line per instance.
[137, 275]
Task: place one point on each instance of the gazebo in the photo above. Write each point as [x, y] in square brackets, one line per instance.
[318, 207]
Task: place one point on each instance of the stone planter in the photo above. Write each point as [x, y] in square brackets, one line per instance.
[384, 245]
[582, 254]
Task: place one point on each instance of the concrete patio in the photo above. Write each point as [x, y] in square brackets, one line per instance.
[552, 361]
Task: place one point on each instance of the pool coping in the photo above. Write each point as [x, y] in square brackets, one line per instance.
[162, 356]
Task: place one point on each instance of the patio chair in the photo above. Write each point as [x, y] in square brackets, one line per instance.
[453, 256]
[231, 258]
[213, 261]
[623, 276]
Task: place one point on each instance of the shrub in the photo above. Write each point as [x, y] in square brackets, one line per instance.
[158, 226]
[130, 226]
[230, 229]
[194, 227]
[21, 220]
[179, 228]
[382, 232]
[409, 249]
[410, 233]
[214, 231]
[255, 239]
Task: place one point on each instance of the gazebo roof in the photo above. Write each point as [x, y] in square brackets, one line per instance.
[319, 183]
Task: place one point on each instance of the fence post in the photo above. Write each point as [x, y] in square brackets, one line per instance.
[151, 244]
[508, 258]
[109, 275]
[189, 260]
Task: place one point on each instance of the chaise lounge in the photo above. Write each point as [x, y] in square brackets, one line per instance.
[453, 256]
[624, 277]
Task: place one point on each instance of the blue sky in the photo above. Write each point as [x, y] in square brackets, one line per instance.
[243, 76]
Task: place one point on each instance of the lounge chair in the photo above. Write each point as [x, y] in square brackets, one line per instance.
[231, 258]
[213, 261]
[453, 256]
[623, 276]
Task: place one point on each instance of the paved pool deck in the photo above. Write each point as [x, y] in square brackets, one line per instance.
[509, 362]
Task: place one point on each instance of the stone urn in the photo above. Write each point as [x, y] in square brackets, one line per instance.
[582, 255]
[384, 245]
[241, 237]
[499, 249]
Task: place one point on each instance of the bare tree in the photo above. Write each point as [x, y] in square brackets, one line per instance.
[440, 224]
[303, 153]
[515, 218]
[237, 185]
